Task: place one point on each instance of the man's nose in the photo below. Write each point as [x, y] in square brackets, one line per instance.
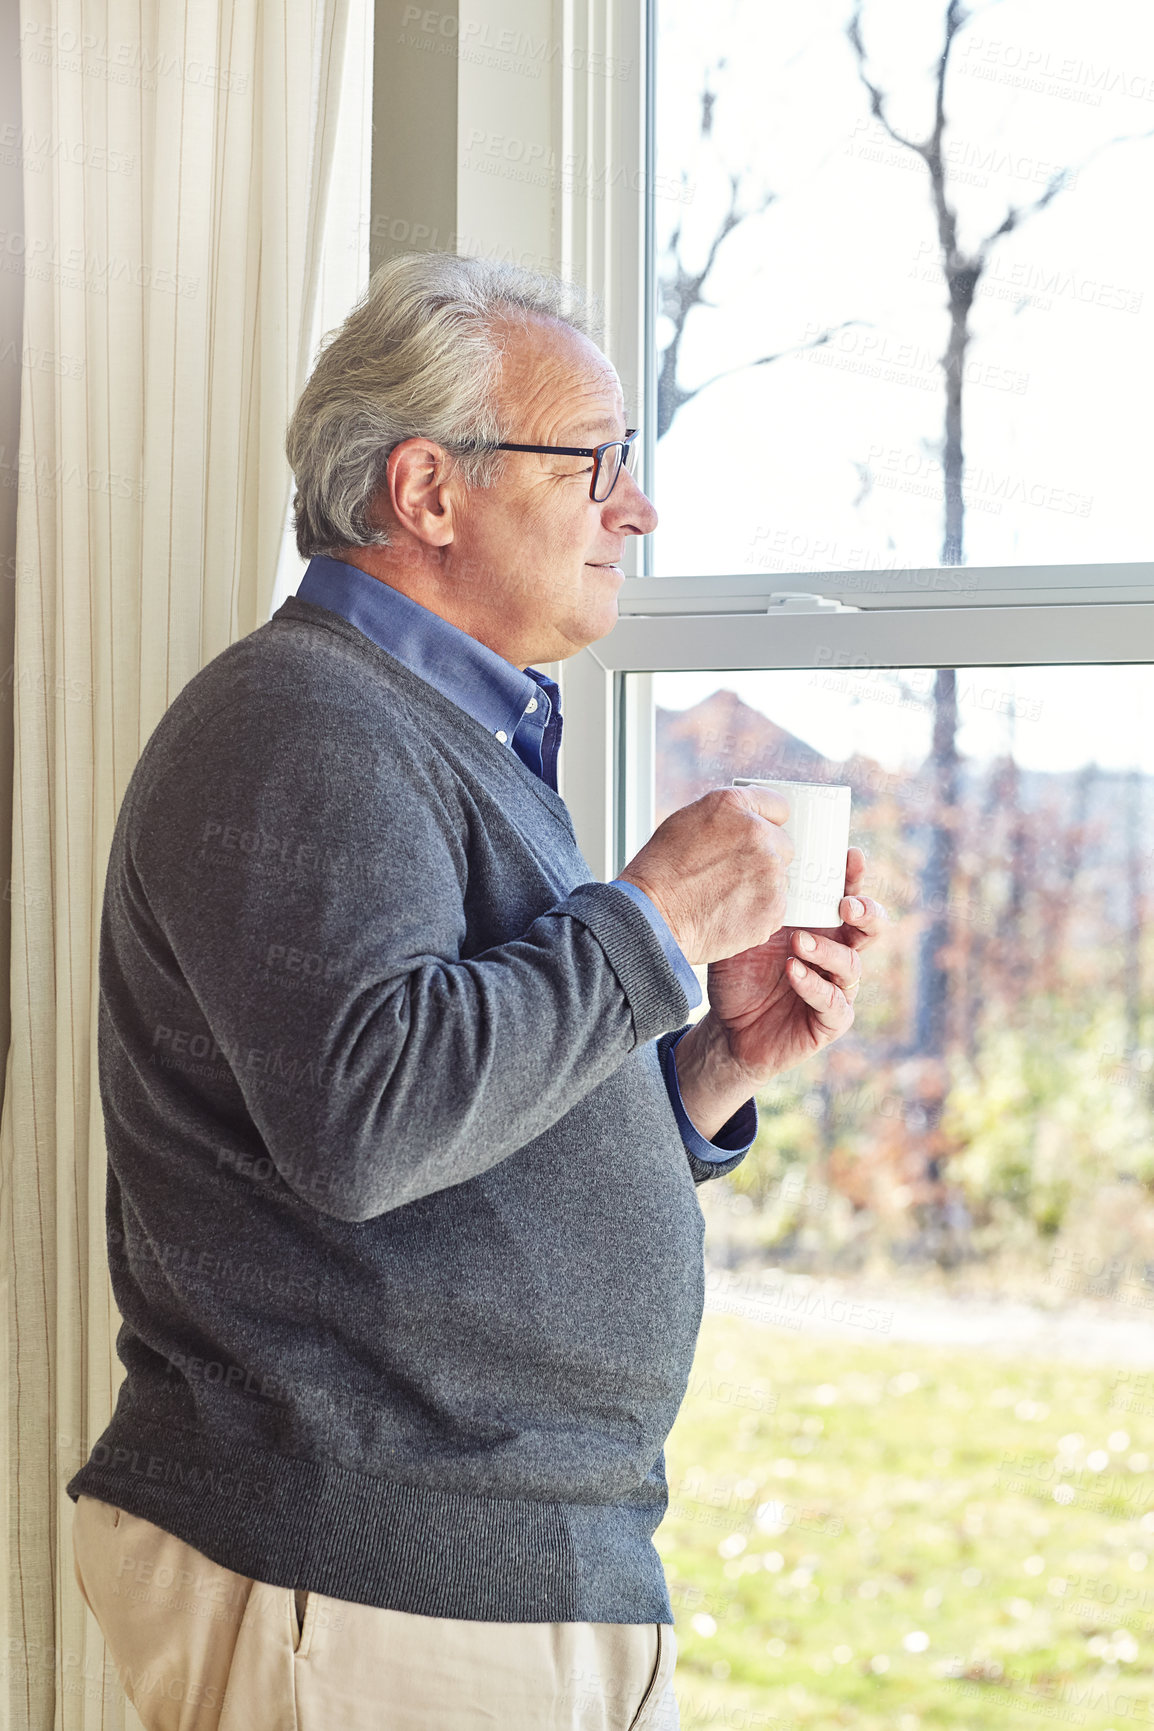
[633, 512]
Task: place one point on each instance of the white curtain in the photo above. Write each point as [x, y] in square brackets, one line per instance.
[176, 158]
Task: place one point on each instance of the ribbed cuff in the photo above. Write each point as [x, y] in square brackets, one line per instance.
[674, 954]
[657, 997]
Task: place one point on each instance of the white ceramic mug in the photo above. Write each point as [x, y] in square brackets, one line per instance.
[818, 827]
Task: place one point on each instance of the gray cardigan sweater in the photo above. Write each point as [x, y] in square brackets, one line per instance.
[401, 1226]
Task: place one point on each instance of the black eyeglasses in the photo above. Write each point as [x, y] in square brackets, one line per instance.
[608, 460]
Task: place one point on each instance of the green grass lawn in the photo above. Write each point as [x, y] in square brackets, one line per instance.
[882, 1535]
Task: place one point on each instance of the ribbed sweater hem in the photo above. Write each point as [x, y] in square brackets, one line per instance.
[373, 1541]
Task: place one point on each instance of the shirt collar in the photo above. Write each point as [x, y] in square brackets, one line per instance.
[475, 677]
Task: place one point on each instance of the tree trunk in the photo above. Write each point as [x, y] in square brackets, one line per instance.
[932, 1017]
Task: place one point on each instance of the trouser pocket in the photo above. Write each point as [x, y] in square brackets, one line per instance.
[301, 1601]
[170, 1617]
[658, 1709]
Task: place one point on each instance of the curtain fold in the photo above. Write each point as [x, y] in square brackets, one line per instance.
[176, 157]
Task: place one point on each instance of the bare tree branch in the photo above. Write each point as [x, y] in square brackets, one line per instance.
[961, 268]
[877, 100]
[781, 354]
[1064, 177]
[681, 290]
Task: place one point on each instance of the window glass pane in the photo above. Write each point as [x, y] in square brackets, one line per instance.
[802, 267]
[912, 1476]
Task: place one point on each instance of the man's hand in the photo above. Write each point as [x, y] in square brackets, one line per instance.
[782, 1001]
[774, 1005]
[716, 871]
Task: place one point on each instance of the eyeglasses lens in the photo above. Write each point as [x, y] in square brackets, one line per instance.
[611, 461]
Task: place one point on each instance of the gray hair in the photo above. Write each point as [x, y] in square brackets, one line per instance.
[418, 356]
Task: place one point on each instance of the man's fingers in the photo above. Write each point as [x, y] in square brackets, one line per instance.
[855, 865]
[834, 1009]
[767, 803]
[863, 918]
[840, 961]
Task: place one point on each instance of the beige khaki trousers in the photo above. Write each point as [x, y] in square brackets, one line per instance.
[199, 1648]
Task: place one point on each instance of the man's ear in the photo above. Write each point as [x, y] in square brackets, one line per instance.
[419, 492]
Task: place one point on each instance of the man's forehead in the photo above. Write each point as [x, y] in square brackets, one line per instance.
[606, 423]
[550, 368]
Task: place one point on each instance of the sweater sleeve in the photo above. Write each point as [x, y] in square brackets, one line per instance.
[405, 1066]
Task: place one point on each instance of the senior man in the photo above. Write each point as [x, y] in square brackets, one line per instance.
[404, 1117]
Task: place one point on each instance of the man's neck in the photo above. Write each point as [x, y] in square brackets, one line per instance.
[427, 589]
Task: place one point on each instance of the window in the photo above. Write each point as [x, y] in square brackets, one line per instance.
[885, 1498]
[868, 309]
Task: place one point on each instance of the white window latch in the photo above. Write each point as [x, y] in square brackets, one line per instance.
[797, 601]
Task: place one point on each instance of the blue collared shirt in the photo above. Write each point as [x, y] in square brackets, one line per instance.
[523, 711]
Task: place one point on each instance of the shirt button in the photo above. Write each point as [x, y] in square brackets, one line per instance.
[502, 736]
[530, 706]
